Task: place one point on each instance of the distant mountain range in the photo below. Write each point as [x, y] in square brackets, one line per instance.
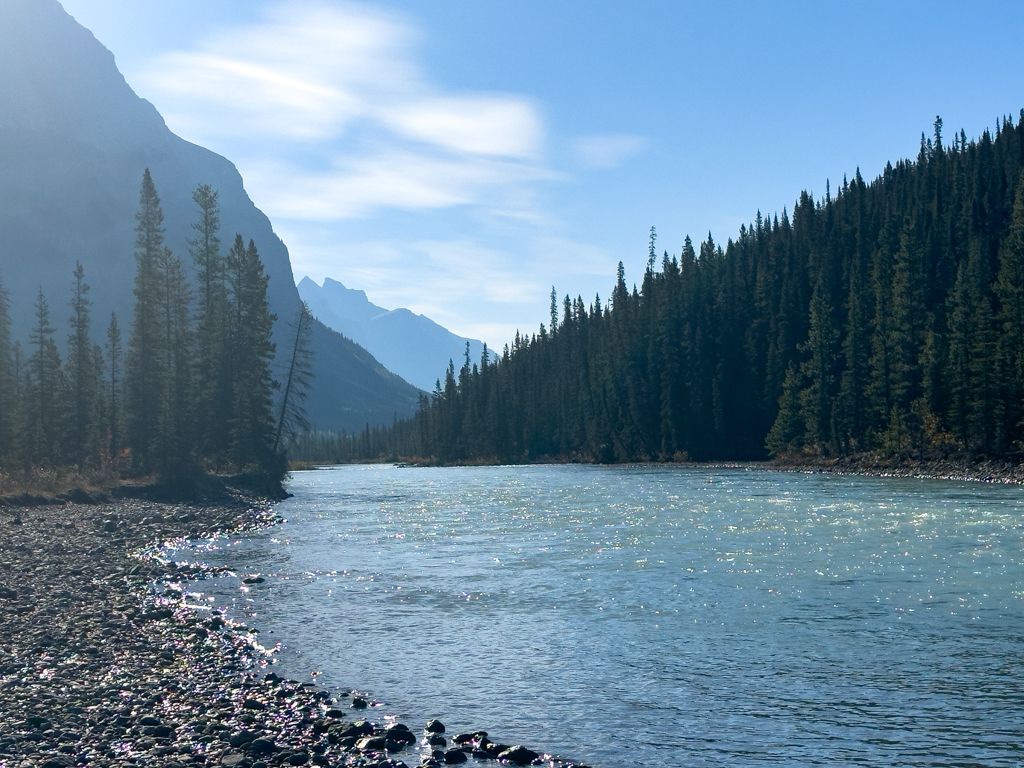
[74, 141]
[411, 345]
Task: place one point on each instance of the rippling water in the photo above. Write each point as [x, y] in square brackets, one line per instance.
[650, 616]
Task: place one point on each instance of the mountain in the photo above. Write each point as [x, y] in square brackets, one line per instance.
[411, 345]
[74, 141]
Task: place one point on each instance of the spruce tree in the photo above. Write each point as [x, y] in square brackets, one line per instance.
[252, 424]
[8, 389]
[819, 372]
[971, 370]
[884, 388]
[145, 365]
[1009, 288]
[176, 432]
[114, 387]
[44, 403]
[213, 380]
[83, 378]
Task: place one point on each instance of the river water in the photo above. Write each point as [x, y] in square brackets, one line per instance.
[650, 616]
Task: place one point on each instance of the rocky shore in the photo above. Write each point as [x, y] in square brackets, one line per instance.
[873, 466]
[106, 659]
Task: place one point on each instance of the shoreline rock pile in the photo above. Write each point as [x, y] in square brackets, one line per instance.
[105, 660]
[869, 465]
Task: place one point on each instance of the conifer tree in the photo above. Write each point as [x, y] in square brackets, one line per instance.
[213, 379]
[176, 432]
[83, 378]
[819, 372]
[43, 396]
[252, 425]
[114, 384]
[145, 366]
[884, 389]
[971, 370]
[8, 382]
[1009, 288]
[788, 429]
[854, 379]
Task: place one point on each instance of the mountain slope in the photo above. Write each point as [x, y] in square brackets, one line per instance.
[74, 141]
[411, 345]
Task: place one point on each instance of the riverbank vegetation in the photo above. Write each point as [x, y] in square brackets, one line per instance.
[884, 318]
[188, 391]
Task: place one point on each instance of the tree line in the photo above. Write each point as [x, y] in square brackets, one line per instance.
[886, 317]
[190, 391]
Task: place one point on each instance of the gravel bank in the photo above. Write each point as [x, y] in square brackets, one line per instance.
[871, 466]
[105, 660]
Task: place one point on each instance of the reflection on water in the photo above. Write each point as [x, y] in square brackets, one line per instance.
[651, 616]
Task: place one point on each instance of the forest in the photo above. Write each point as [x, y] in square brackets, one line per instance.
[189, 391]
[886, 317]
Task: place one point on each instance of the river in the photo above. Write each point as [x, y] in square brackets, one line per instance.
[654, 616]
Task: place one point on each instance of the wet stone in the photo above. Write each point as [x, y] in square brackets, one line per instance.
[519, 755]
[242, 737]
[372, 743]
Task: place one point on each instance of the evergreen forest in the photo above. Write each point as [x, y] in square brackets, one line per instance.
[188, 389]
[886, 317]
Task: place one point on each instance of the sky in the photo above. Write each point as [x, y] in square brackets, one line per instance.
[461, 158]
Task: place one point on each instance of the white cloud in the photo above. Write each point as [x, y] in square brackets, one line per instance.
[609, 150]
[333, 95]
[482, 125]
[395, 178]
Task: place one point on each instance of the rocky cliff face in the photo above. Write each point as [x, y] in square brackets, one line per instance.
[74, 141]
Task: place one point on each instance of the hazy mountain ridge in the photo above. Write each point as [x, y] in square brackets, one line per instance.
[74, 141]
[411, 345]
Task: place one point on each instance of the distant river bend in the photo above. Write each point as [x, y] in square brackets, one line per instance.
[647, 616]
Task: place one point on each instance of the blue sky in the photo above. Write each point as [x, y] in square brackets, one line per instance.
[459, 158]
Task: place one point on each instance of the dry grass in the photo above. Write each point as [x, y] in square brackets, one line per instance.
[52, 481]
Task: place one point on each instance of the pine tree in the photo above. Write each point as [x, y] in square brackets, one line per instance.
[789, 428]
[176, 431]
[213, 380]
[83, 378]
[819, 372]
[8, 382]
[145, 366]
[1009, 288]
[972, 373]
[115, 370]
[884, 389]
[43, 397]
[252, 424]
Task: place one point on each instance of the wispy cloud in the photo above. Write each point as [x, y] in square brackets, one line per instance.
[340, 81]
[353, 187]
[609, 150]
